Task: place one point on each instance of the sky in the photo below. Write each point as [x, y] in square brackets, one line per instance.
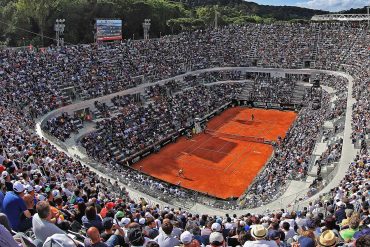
[330, 5]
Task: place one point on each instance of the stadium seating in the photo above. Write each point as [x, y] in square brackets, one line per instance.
[55, 193]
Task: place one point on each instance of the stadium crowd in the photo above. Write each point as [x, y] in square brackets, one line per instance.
[121, 137]
[47, 193]
[95, 215]
[291, 156]
[62, 126]
[139, 126]
[206, 77]
[361, 116]
[214, 76]
[278, 90]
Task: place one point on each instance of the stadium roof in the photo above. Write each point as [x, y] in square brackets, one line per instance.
[341, 17]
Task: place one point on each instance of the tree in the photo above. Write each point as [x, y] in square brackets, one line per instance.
[32, 20]
[185, 24]
[38, 10]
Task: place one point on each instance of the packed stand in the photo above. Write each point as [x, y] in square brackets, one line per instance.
[49, 212]
[53, 193]
[102, 109]
[291, 157]
[286, 45]
[64, 125]
[168, 88]
[279, 90]
[216, 76]
[358, 45]
[140, 126]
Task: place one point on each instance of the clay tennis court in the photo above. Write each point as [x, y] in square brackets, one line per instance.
[214, 164]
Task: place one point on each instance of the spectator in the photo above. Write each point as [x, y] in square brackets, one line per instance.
[216, 239]
[274, 226]
[340, 214]
[91, 218]
[41, 225]
[275, 236]
[94, 239]
[346, 221]
[108, 206]
[327, 238]
[26, 223]
[288, 232]
[152, 244]
[330, 225]
[2, 193]
[347, 234]
[306, 242]
[164, 239]
[6, 239]
[151, 228]
[187, 239]
[259, 233]
[5, 222]
[136, 238]
[112, 234]
[216, 227]
[108, 228]
[14, 206]
[363, 241]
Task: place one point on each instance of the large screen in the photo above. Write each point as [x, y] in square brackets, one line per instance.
[108, 30]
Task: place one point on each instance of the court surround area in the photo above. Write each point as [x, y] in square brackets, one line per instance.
[220, 162]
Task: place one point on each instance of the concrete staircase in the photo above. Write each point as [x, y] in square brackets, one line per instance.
[253, 52]
[348, 51]
[321, 148]
[298, 94]
[245, 91]
[317, 41]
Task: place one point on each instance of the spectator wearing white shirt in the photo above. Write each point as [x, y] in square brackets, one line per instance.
[41, 224]
[259, 233]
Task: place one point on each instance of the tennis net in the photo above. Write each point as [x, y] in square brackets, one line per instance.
[237, 137]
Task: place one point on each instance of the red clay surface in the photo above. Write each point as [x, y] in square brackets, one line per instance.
[219, 166]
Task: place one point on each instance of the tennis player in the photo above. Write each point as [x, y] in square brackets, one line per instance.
[181, 173]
